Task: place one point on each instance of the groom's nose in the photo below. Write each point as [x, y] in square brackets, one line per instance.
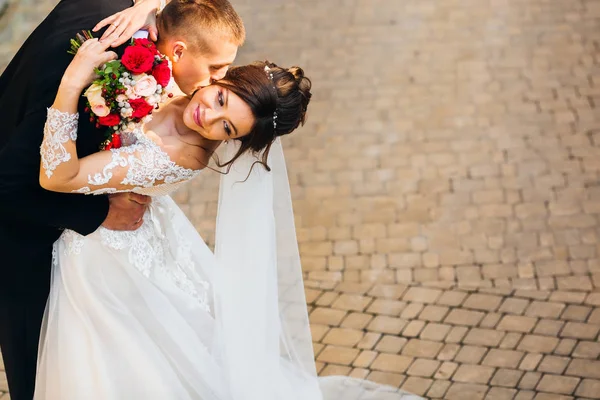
[218, 74]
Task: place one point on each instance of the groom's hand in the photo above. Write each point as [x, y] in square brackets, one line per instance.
[126, 211]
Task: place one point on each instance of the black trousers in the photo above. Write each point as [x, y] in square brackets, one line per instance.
[25, 281]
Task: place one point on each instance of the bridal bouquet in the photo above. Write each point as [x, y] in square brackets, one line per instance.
[127, 90]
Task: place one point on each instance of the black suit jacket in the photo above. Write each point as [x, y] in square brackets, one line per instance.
[31, 218]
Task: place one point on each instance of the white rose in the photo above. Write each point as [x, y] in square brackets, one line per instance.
[146, 86]
[122, 98]
[126, 112]
[130, 93]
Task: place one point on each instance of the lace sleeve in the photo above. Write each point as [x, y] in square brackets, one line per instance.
[60, 128]
[140, 165]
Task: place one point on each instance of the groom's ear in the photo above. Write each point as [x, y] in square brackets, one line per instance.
[179, 48]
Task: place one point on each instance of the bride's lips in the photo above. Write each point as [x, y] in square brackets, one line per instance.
[198, 118]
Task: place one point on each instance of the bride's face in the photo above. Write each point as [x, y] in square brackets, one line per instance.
[217, 113]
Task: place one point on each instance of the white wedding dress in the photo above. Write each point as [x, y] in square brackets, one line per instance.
[154, 314]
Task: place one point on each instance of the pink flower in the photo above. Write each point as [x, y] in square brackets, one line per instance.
[97, 102]
[146, 86]
[101, 110]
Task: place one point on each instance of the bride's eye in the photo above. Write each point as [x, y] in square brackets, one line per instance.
[227, 128]
[221, 98]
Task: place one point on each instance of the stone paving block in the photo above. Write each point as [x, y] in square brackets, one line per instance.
[422, 295]
[538, 344]
[530, 380]
[517, 323]
[446, 370]
[438, 389]
[483, 302]
[351, 302]
[433, 313]
[343, 337]
[470, 354]
[386, 378]
[364, 359]
[384, 324]
[391, 344]
[421, 348]
[506, 377]
[490, 320]
[510, 340]
[578, 330]
[326, 316]
[356, 320]
[368, 341]
[483, 337]
[434, 331]
[543, 309]
[416, 385]
[584, 368]
[586, 349]
[514, 306]
[337, 355]
[391, 363]
[553, 365]
[565, 347]
[452, 298]
[497, 393]
[557, 384]
[468, 373]
[589, 388]
[548, 327]
[461, 391]
[412, 310]
[423, 367]
[576, 313]
[456, 334]
[464, 317]
[503, 358]
[530, 362]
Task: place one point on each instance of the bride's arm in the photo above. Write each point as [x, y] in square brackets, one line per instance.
[61, 170]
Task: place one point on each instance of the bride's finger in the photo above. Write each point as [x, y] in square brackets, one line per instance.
[125, 35]
[106, 21]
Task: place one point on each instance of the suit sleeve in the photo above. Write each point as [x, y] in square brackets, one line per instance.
[23, 199]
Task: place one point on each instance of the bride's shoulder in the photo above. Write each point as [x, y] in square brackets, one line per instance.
[186, 155]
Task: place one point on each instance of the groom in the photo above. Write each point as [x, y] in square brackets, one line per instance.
[200, 37]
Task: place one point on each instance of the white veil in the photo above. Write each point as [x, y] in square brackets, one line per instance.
[260, 306]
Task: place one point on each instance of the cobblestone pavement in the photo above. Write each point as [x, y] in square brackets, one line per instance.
[445, 187]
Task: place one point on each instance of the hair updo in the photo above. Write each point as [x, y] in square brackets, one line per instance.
[287, 95]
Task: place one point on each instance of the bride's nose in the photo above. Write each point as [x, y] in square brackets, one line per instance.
[211, 116]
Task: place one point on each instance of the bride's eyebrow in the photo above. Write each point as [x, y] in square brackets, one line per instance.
[227, 104]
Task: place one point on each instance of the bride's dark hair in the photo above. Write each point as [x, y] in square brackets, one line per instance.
[287, 94]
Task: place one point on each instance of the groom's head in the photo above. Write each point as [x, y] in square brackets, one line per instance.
[201, 37]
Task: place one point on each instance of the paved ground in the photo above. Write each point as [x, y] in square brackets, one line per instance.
[446, 187]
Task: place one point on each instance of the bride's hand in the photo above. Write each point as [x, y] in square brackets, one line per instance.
[127, 22]
[92, 54]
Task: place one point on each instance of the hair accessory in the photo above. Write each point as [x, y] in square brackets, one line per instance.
[270, 76]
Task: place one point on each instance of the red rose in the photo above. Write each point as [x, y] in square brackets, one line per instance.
[138, 59]
[162, 73]
[116, 141]
[143, 42]
[140, 108]
[110, 120]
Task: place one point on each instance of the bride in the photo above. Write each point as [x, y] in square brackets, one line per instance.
[153, 313]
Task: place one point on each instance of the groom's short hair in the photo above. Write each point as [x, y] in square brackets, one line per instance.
[200, 20]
